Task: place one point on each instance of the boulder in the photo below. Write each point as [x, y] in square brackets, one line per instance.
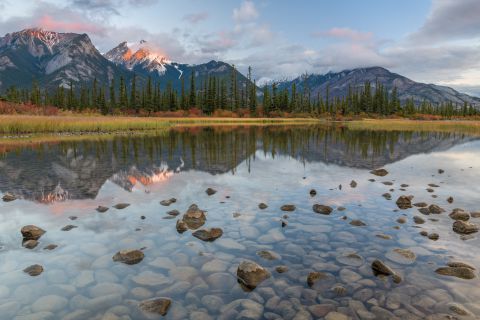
[251, 274]
[32, 232]
[208, 234]
[322, 209]
[128, 256]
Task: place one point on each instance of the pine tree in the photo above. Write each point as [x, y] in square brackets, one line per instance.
[193, 93]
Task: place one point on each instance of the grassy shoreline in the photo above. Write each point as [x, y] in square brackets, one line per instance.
[21, 124]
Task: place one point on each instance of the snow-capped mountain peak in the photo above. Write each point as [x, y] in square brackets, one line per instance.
[142, 54]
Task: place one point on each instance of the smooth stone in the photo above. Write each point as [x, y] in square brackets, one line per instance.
[34, 270]
[459, 272]
[230, 244]
[30, 244]
[333, 315]
[215, 265]
[173, 213]
[121, 206]
[208, 234]
[315, 276]
[348, 276]
[421, 204]
[183, 273]
[433, 236]
[288, 207]
[321, 310]
[379, 172]
[401, 256]
[210, 191]
[350, 259]
[50, 247]
[150, 278]
[322, 209]
[281, 269]
[212, 303]
[50, 303]
[268, 255]
[162, 263]
[221, 281]
[158, 305]
[102, 209]
[418, 220]
[69, 227]
[106, 288]
[459, 214]
[128, 256]
[404, 202]
[357, 223]
[141, 293]
[262, 206]
[84, 278]
[380, 268]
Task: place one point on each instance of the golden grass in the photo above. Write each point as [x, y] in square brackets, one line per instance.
[457, 126]
[22, 124]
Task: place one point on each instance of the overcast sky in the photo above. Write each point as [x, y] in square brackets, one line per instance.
[433, 41]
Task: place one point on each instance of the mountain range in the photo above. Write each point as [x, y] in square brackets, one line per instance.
[58, 59]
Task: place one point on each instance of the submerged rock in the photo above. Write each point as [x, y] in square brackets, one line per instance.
[353, 184]
[402, 256]
[69, 227]
[464, 227]
[208, 234]
[210, 191]
[32, 232]
[314, 277]
[450, 199]
[434, 209]
[50, 247]
[281, 269]
[128, 256]
[404, 202]
[358, 223]
[418, 220]
[288, 207]
[34, 270]
[156, 306]
[433, 236]
[251, 274]
[168, 202]
[380, 268]
[421, 204]
[322, 209]
[459, 214]
[457, 269]
[121, 206]
[475, 214]
[102, 209]
[173, 213]
[262, 206]
[379, 172]
[194, 217]
[387, 196]
[268, 255]
[8, 197]
[30, 244]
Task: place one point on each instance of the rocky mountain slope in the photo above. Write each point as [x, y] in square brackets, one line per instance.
[339, 83]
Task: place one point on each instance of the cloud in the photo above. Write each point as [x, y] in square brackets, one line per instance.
[345, 33]
[450, 20]
[49, 23]
[246, 12]
[195, 18]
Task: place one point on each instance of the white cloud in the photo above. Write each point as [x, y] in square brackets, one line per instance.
[246, 12]
[195, 18]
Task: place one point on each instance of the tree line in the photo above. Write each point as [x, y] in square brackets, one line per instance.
[227, 93]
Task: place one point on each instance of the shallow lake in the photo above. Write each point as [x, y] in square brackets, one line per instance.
[61, 184]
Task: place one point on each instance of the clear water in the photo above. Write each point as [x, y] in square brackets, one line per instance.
[247, 165]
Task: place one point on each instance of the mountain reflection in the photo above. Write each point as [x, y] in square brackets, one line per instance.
[77, 170]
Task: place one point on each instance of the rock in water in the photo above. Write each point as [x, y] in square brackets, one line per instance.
[459, 271]
[322, 209]
[464, 227]
[288, 207]
[314, 277]
[102, 209]
[8, 197]
[262, 206]
[268, 255]
[194, 217]
[313, 192]
[173, 213]
[353, 184]
[358, 223]
[181, 226]
[32, 232]
[210, 191]
[459, 214]
[168, 202]
[208, 234]
[121, 206]
[155, 305]
[434, 209]
[281, 269]
[418, 220]
[380, 268]
[30, 244]
[128, 256]
[34, 270]
[450, 199]
[379, 172]
[404, 202]
[69, 227]
[250, 274]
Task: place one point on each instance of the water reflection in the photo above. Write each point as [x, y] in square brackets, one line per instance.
[77, 170]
